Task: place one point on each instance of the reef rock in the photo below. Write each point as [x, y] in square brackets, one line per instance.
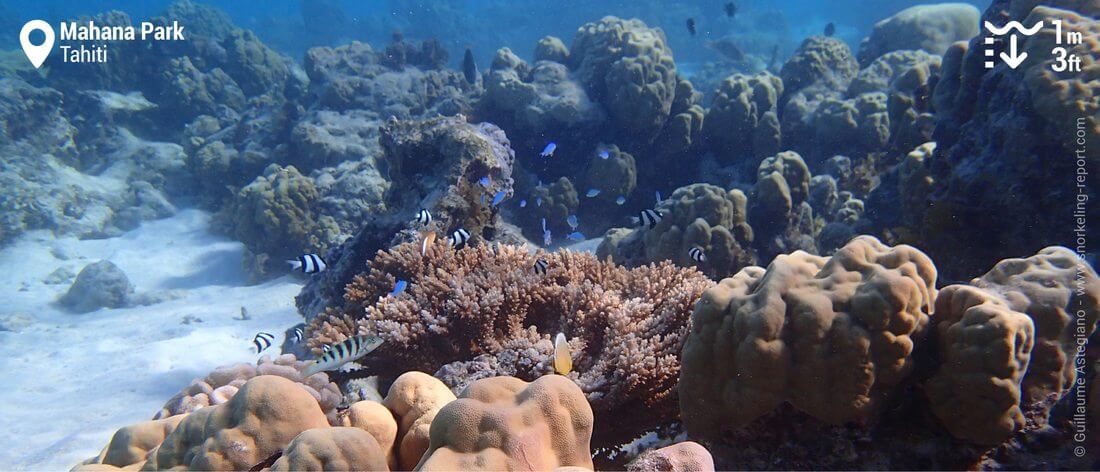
[98, 285]
[538, 100]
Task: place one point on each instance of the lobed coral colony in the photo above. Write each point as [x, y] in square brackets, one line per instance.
[802, 288]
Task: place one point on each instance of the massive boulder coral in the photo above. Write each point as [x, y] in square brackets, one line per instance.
[698, 215]
[624, 325]
[779, 209]
[628, 67]
[415, 399]
[275, 217]
[931, 28]
[435, 164]
[339, 448]
[504, 423]
[742, 123]
[766, 337]
[992, 161]
[242, 432]
[820, 63]
[131, 444]
[224, 382]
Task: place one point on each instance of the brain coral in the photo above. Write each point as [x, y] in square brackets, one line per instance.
[504, 423]
[625, 326]
[698, 215]
[628, 67]
[261, 419]
[830, 336]
[931, 28]
[742, 122]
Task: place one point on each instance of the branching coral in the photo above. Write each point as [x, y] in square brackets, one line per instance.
[504, 423]
[830, 336]
[625, 326]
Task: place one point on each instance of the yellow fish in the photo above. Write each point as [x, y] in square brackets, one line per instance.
[563, 359]
[429, 239]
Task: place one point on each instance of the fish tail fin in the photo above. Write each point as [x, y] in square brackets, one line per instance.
[295, 264]
[635, 220]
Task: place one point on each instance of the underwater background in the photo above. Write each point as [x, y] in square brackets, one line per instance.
[486, 235]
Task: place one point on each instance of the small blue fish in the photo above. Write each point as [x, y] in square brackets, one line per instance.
[398, 288]
[523, 203]
[549, 150]
[499, 197]
[546, 239]
[621, 200]
[576, 236]
[538, 201]
[592, 192]
[604, 154]
[544, 225]
[572, 220]
[483, 199]
[485, 181]
[658, 196]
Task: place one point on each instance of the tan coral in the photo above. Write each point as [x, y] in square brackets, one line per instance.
[985, 348]
[376, 419]
[504, 423]
[337, 448]
[131, 444]
[687, 456]
[830, 336]
[742, 122]
[262, 418]
[415, 399]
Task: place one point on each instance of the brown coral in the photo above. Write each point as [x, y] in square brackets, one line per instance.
[680, 457]
[830, 336]
[625, 325]
[504, 423]
[339, 448]
[415, 398]
[130, 445]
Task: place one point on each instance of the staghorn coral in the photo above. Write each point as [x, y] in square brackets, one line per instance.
[744, 106]
[698, 215]
[415, 399]
[274, 217]
[337, 448]
[766, 337]
[504, 423]
[628, 67]
[624, 325]
[931, 28]
[243, 431]
[224, 382]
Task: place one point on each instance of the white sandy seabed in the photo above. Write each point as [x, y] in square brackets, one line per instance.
[71, 380]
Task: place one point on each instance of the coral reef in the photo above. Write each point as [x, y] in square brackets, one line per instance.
[760, 341]
[745, 106]
[699, 215]
[537, 99]
[224, 382]
[415, 399]
[931, 28]
[625, 326]
[337, 448]
[433, 164]
[504, 423]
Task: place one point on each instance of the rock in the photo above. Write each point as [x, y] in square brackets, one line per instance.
[60, 275]
[931, 28]
[15, 321]
[99, 285]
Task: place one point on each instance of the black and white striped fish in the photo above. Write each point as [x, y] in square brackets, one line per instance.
[458, 238]
[263, 341]
[308, 263]
[423, 216]
[540, 266]
[341, 353]
[697, 254]
[298, 335]
[648, 218]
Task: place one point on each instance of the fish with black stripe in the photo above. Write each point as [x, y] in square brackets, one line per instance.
[298, 335]
[458, 238]
[696, 253]
[263, 341]
[541, 266]
[308, 264]
[339, 354]
[648, 218]
[423, 216]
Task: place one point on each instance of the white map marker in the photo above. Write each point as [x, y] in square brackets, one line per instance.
[36, 54]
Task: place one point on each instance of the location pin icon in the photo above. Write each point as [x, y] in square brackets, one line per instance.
[36, 54]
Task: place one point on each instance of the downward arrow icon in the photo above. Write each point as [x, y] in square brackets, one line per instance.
[1013, 60]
